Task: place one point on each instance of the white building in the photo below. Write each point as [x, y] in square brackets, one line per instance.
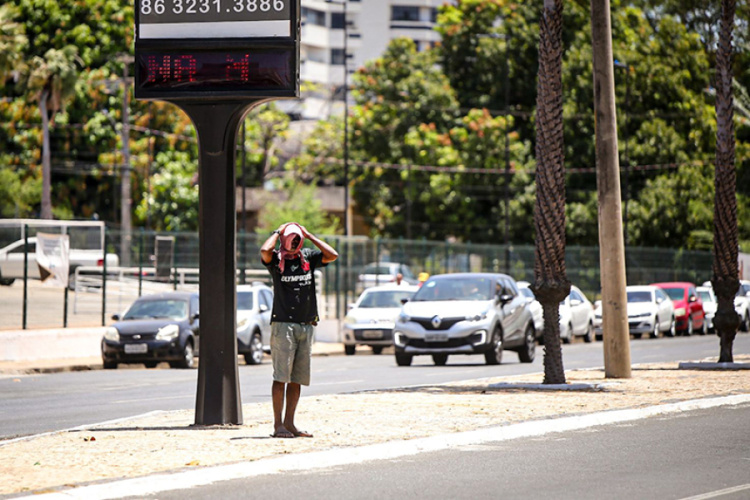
[359, 29]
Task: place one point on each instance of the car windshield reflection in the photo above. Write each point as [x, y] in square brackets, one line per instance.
[245, 301]
[455, 289]
[639, 296]
[157, 309]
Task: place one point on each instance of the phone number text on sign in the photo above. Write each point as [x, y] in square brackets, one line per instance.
[182, 11]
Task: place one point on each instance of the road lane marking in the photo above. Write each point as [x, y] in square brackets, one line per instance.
[318, 460]
[719, 493]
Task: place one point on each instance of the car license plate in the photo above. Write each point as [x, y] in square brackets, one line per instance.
[136, 348]
[436, 337]
[372, 334]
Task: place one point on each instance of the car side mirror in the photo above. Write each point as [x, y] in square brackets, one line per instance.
[504, 298]
[404, 301]
[115, 317]
[195, 317]
[263, 308]
[350, 306]
[659, 300]
[693, 298]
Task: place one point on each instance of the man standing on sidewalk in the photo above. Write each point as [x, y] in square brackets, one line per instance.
[294, 316]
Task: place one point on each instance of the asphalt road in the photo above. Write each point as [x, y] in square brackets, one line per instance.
[700, 454]
[33, 404]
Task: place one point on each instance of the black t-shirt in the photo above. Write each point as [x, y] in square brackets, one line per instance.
[294, 299]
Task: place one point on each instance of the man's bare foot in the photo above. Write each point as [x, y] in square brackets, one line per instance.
[298, 433]
[282, 432]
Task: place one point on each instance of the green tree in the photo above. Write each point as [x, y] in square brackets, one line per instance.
[13, 42]
[297, 204]
[51, 80]
[173, 200]
[266, 127]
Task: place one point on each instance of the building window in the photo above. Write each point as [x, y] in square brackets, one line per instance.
[312, 16]
[337, 57]
[403, 13]
[337, 20]
[434, 15]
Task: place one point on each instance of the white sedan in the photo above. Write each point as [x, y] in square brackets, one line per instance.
[576, 316]
[650, 311]
[371, 319]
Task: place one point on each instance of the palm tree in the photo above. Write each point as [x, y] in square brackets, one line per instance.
[725, 273]
[52, 79]
[13, 42]
[551, 284]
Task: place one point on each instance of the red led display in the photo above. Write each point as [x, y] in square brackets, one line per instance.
[174, 73]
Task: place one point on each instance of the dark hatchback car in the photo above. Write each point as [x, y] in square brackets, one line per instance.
[161, 327]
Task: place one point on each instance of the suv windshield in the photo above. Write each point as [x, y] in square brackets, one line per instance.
[384, 299]
[150, 309]
[455, 289]
[705, 296]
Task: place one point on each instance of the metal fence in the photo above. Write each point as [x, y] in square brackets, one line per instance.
[150, 270]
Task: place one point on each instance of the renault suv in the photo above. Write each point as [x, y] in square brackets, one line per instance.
[465, 313]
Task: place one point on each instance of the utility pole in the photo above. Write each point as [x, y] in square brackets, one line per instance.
[611, 245]
[126, 198]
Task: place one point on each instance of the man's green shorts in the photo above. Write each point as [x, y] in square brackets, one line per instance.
[291, 350]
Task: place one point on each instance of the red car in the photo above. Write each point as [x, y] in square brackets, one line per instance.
[688, 307]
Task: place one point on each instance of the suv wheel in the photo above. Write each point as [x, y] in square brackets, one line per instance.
[350, 349]
[589, 335]
[528, 351]
[403, 359]
[439, 359]
[494, 356]
[255, 356]
[745, 326]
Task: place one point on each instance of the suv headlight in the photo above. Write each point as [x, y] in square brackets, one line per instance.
[350, 320]
[403, 318]
[112, 334]
[168, 332]
[477, 317]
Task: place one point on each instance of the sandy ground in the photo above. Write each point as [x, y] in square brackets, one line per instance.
[168, 441]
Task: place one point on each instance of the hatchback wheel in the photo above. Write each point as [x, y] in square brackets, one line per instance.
[690, 328]
[589, 335]
[255, 356]
[528, 351]
[672, 328]
[188, 358]
[655, 333]
[745, 326]
[569, 337]
[495, 355]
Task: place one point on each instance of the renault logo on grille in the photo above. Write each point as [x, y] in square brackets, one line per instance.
[436, 322]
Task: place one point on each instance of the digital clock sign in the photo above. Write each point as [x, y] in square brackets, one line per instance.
[216, 49]
[198, 72]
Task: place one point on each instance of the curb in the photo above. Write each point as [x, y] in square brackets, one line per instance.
[149, 485]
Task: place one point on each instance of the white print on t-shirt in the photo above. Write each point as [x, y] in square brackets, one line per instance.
[305, 278]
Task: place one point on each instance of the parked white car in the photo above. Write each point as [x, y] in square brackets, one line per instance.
[576, 316]
[382, 273]
[650, 311]
[706, 293]
[742, 305]
[254, 305]
[533, 305]
[371, 319]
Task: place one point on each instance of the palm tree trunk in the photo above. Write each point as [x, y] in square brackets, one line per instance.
[46, 163]
[551, 284]
[725, 273]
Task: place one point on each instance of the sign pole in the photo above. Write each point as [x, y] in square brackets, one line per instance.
[217, 124]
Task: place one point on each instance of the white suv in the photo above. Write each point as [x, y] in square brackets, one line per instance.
[465, 313]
